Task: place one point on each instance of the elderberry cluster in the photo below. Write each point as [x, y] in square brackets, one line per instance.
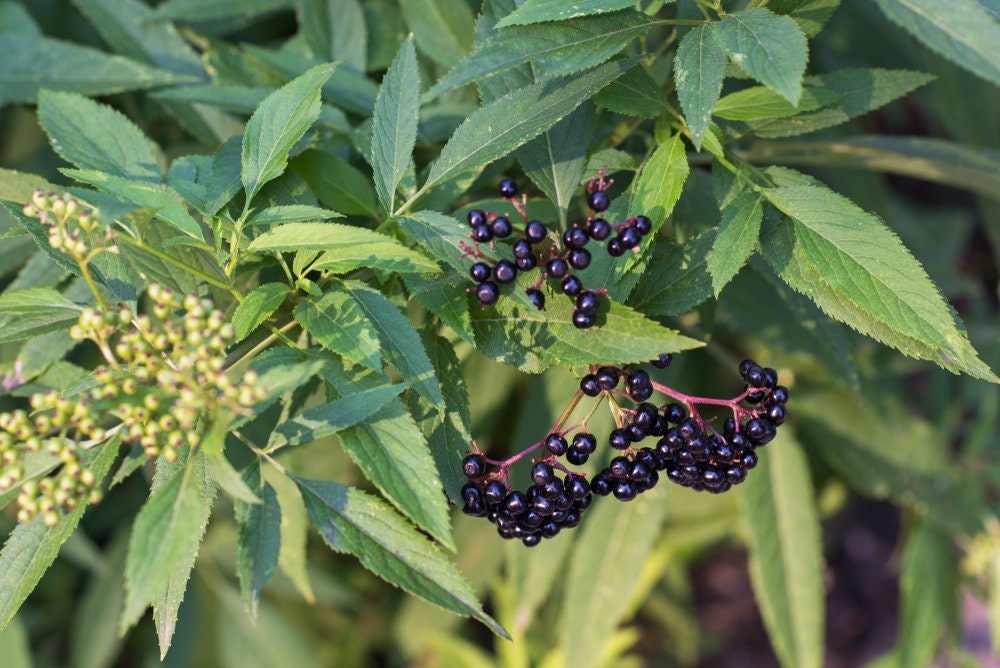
[533, 248]
[683, 446]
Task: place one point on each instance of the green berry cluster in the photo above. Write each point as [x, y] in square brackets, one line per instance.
[165, 379]
[73, 229]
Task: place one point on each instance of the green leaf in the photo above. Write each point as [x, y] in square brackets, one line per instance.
[165, 201]
[318, 237]
[335, 30]
[394, 131]
[445, 297]
[557, 49]
[963, 31]
[340, 325]
[657, 191]
[95, 640]
[858, 272]
[164, 540]
[735, 240]
[34, 311]
[327, 419]
[859, 91]
[678, 278]
[699, 68]
[33, 63]
[291, 213]
[94, 136]
[259, 540]
[812, 15]
[758, 103]
[976, 169]
[501, 126]
[439, 234]
[447, 429]
[786, 557]
[257, 307]
[928, 586]
[401, 345]
[771, 48]
[442, 28]
[913, 476]
[515, 332]
[352, 521]
[294, 534]
[226, 476]
[32, 547]
[613, 535]
[538, 11]
[634, 93]
[555, 160]
[387, 255]
[198, 10]
[280, 121]
[336, 183]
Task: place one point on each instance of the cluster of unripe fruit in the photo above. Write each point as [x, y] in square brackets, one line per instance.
[163, 383]
[556, 259]
[688, 451]
[73, 229]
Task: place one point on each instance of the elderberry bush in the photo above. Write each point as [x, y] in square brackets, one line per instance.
[557, 257]
[654, 440]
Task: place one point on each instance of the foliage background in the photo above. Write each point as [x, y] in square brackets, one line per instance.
[890, 446]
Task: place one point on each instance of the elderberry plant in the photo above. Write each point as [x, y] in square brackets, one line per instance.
[287, 286]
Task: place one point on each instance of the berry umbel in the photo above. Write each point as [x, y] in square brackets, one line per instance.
[652, 441]
[557, 256]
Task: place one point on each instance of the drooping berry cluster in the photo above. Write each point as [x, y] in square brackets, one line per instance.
[688, 450]
[163, 384]
[557, 258]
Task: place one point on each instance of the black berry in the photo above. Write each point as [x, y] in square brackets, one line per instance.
[607, 378]
[589, 386]
[616, 248]
[522, 248]
[599, 201]
[476, 217]
[535, 231]
[556, 445]
[482, 233]
[579, 258]
[663, 361]
[501, 227]
[487, 293]
[600, 229]
[572, 286]
[643, 224]
[474, 466]
[587, 303]
[504, 272]
[507, 188]
[556, 267]
[583, 320]
[526, 263]
[575, 237]
[480, 272]
[630, 237]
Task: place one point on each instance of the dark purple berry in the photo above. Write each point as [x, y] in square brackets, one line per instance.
[531, 519]
[522, 248]
[476, 217]
[755, 377]
[579, 258]
[588, 303]
[507, 188]
[531, 540]
[536, 297]
[556, 267]
[779, 395]
[600, 484]
[535, 231]
[494, 492]
[477, 509]
[635, 432]
[472, 493]
[674, 413]
[543, 505]
[526, 263]
[770, 378]
[480, 272]
[487, 293]
[639, 472]
[541, 472]
[616, 248]
[619, 468]
[745, 366]
[516, 503]
[589, 386]
[776, 413]
[735, 475]
[585, 443]
[583, 320]
[755, 397]
[754, 429]
[630, 237]
[575, 237]
[556, 445]
[599, 200]
[600, 229]
[572, 286]
[625, 490]
[501, 227]
[504, 272]
[663, 361]
[659, 426]
[643, 224]
[553, 490]
[482, 234]
[619, 439]
[639, 386]
[607, 378]
[577, 458]
[749, 460]
[645, 415]
[577, 487]
[549, 529]
[474, 466]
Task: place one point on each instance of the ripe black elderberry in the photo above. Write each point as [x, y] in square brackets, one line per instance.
[572, 286]
[507, 188]
[583, 320]
[607, 378]
[480, 272]
[556, 267]
[487, 293]
[526, 263]
[535, 231]
[589, 386]
[600, 229]
[537, 298]
[482, 234]
[504, 272]
[587, 303]
[501, 227]
[630, 237]
[474, 466]
[643, 224]
[616, 248]
[663, 361]
[639, 385]
[599, 201]
[556, 445]
[522, 248]
[575, 237]
[579, 258]
[476, 217]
